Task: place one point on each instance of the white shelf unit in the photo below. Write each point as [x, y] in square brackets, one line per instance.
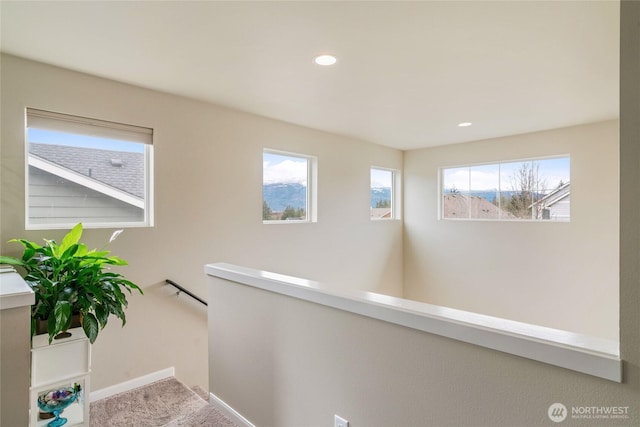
[57, 365]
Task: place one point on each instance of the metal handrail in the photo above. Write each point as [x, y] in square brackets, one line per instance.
[181, 289]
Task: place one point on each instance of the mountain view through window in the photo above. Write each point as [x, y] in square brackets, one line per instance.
[285, 193]
[381, 194]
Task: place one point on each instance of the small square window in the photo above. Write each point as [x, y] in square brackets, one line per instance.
[86, 170]
[287, 187]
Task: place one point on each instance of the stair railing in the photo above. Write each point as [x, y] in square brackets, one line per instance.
[182, 289]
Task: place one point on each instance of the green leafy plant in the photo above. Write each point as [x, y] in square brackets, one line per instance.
[68, 278]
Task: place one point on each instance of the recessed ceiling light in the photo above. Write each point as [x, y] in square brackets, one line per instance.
[464, 124]
[325, 60]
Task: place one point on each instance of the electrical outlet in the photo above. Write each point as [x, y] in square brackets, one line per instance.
[338, 421]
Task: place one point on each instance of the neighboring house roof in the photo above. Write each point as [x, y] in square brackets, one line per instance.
[555, 196]
[459, 206]
[119, 174]
[381, 213]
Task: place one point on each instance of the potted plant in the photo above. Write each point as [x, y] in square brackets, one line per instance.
[69, 279]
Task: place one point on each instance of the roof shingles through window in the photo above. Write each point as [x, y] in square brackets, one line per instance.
[97, 164]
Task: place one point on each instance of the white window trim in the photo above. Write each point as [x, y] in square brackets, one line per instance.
[93, 127]
[440, 180]
[312, 187]
[396, 188]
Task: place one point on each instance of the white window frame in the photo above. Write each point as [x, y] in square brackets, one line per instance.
[441, 188]
[55, 121]
[312, 188]
[396, 187]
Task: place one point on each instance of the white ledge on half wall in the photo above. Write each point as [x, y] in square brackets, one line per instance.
[14, 291]
[590, 355]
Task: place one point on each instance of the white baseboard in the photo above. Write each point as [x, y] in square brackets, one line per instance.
[227, 410]
[132, 383]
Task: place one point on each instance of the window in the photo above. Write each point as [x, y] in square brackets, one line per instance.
[519, 190]
[383, 194]
[288, 193]
[87, 170]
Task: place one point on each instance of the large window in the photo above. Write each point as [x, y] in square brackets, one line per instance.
[518, 190]
[87, 170]
[383, 194]
[288, 187]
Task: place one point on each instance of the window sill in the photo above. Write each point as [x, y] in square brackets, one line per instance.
[284, 221]
[581, 353]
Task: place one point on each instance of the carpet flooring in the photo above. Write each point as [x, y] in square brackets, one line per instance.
[167, 403]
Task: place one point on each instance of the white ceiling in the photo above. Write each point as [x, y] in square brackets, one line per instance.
[407, 72]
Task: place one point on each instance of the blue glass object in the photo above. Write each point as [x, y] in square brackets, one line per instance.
[55, 401]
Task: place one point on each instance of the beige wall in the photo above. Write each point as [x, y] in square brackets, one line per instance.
[14, 370]
[561, 275]
[630, 204]
[208, 201]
